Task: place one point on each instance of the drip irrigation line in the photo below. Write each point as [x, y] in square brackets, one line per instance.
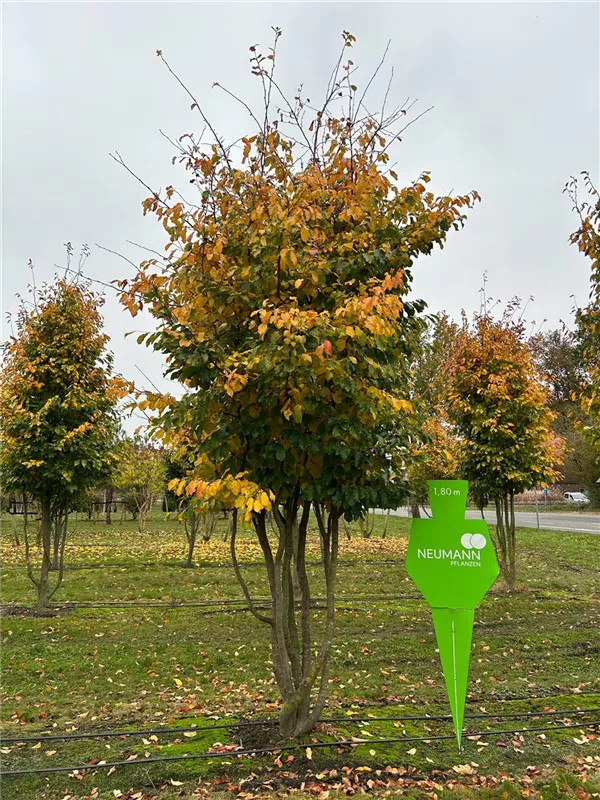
[261, 602]
[254, 723]
[209, 565]
[352, 744]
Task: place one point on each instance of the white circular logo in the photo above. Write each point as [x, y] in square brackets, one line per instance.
[476, 540]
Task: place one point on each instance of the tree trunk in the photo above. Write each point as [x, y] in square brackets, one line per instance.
[15, 531]
[144, 505]
[415, 511]
[347, 528]
[367, 524]
[505, 539]
[511, 576]
[191, 528]
[385, 524]
[43, 586]
[108, 501]
[300, 674]
[60, 522]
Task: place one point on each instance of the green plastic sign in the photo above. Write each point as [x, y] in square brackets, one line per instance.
[453, 562]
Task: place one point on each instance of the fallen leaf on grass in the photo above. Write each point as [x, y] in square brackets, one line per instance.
[463, 769]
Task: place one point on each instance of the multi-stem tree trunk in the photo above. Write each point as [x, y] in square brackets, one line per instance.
[300, 674]
[194, 523]
[367, 524]
[415, 511]
[143, 500]
[347, 528]
[60, 531]
[53, 548]
[506, 539]
[385, 524]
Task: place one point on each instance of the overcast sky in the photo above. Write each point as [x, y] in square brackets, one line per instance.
[515, 90]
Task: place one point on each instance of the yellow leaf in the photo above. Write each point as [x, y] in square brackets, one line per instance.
[178, 683]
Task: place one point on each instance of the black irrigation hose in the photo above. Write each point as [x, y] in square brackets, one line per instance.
[262, 602]
[263, 750]
[254, 723]
[209, 565]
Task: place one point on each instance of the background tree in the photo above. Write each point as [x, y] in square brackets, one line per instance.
[140, 476]
[435, 457]
[198, 517]
[587, 239]
[282, 309]
[431, 353]
[58, 402]
[498, 403]
[560, 357]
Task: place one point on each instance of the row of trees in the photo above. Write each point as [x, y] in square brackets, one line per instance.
[311, 391]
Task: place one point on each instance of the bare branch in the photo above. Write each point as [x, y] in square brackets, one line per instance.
[115, 253]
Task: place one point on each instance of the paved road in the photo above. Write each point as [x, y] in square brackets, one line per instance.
[573, 522]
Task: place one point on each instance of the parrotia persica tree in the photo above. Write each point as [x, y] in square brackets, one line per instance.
[139, 476]
[498, 401]
[282, 308]
[59, 419]
[587, 239]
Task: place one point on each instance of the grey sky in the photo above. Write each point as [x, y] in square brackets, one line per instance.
[515, 88]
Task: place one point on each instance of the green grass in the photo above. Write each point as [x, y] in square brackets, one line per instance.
[99, 667]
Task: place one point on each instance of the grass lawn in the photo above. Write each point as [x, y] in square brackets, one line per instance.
[138, 642]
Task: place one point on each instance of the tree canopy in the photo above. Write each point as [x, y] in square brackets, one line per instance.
[282, 308]
[58, 398]
[498, 402]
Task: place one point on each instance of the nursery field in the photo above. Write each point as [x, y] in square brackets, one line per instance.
[171, 664]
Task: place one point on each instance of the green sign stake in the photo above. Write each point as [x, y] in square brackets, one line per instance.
[453, 562]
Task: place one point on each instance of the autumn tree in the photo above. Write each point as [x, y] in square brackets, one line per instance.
[587, 239]
[560, 356]
[436, 456]
[140, 476]
[58, 400]
[434, 452]
[498, 402]
[197, 515]
[281, 306]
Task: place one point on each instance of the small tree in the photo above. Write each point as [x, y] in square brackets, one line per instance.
[58, 404]
[498, 402]
[282, 308]
[197, 516]
[140, 476]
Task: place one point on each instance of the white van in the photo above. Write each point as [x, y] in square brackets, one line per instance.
[575, 498]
